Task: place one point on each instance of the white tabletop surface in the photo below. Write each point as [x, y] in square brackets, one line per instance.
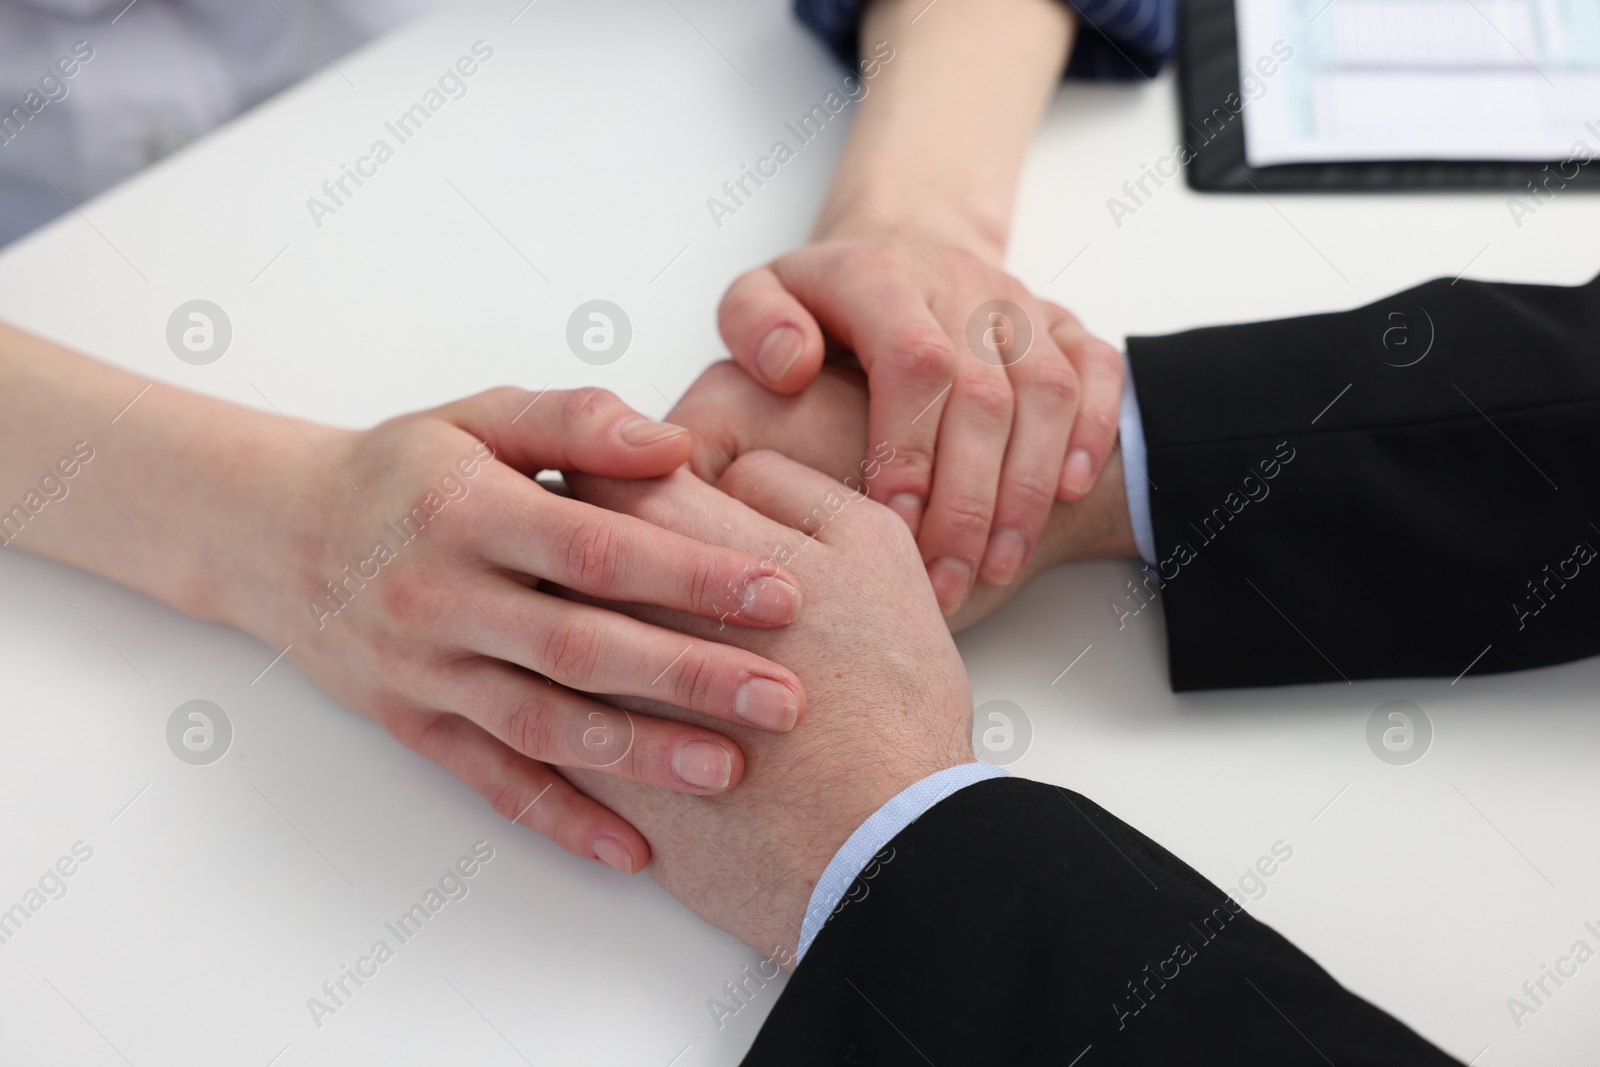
[219, 898]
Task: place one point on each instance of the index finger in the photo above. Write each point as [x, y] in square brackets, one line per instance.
[618, 557]
[876, 308]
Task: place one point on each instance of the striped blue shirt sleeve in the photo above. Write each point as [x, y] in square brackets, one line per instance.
[1117, 39]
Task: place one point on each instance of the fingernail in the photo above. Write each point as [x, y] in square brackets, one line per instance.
[703, 764]
[1007, 550]
[767, 704]
[909, 507]
[778, 352]
[951, 578]
[1076, 475]
[643, 431]
[770, 600]
[609, 851]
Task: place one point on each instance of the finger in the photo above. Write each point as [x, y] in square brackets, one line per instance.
[769, 332]
[728, 414]
[1043, 383]
[972, 441]
[619, 557]
[522, 790]
[873, 304]
[1094, 426]
[576, 429]
[594, 650]
[799, 497]
[681, 505]
[716, 409]
[549, 723]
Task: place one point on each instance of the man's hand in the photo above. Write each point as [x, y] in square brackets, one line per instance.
[993, 410]
[826, 427]
[419, 599]
[888, 700]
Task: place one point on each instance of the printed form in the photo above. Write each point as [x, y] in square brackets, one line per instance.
[1420, 80]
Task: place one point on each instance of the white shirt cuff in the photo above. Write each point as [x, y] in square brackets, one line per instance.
[1135, 462]
[881, 827]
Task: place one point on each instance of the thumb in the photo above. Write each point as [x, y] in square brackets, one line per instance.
[589, 430]
[770, 333]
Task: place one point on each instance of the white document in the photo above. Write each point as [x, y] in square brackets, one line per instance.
[1419, 80]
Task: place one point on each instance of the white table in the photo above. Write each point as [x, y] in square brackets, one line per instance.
[219, 898]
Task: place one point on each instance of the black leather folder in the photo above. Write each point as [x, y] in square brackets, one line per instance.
[1208, 81]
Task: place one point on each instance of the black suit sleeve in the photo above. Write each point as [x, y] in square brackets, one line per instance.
[1407, 489]
[1019, 923]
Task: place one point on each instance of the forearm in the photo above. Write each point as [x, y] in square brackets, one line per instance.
[933, 148]
[170, 497]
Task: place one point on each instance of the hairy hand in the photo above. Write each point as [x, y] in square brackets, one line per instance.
[888, 699]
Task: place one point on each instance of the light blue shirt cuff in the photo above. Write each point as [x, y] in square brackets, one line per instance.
[1135, 463]
[881, 827]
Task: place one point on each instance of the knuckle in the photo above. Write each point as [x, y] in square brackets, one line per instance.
[695, 681]
[708, 590]
[591, 554]
[743, 302]
[529, 726]
[502, 398]
[876, 260]
[967, 518]
[751, 464]
[508, 798]
[921, 354]
[572, 652]
[418, 731]
[1053, 380]
[588, 403]
[1030, 493]
[1102, 351]
[989, 395]
[644, 763]
[968, 270]
[1102, 430]
[911, 467]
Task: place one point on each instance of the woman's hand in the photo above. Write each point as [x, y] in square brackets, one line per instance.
[904, 270]
[995, 404]
[410, 577]
[825, 427]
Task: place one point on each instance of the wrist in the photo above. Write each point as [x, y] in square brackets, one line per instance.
[1097, 527]
[828, 809]
[280, 504]
[869, 209]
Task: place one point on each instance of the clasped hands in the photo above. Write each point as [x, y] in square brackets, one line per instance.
[714, 603]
